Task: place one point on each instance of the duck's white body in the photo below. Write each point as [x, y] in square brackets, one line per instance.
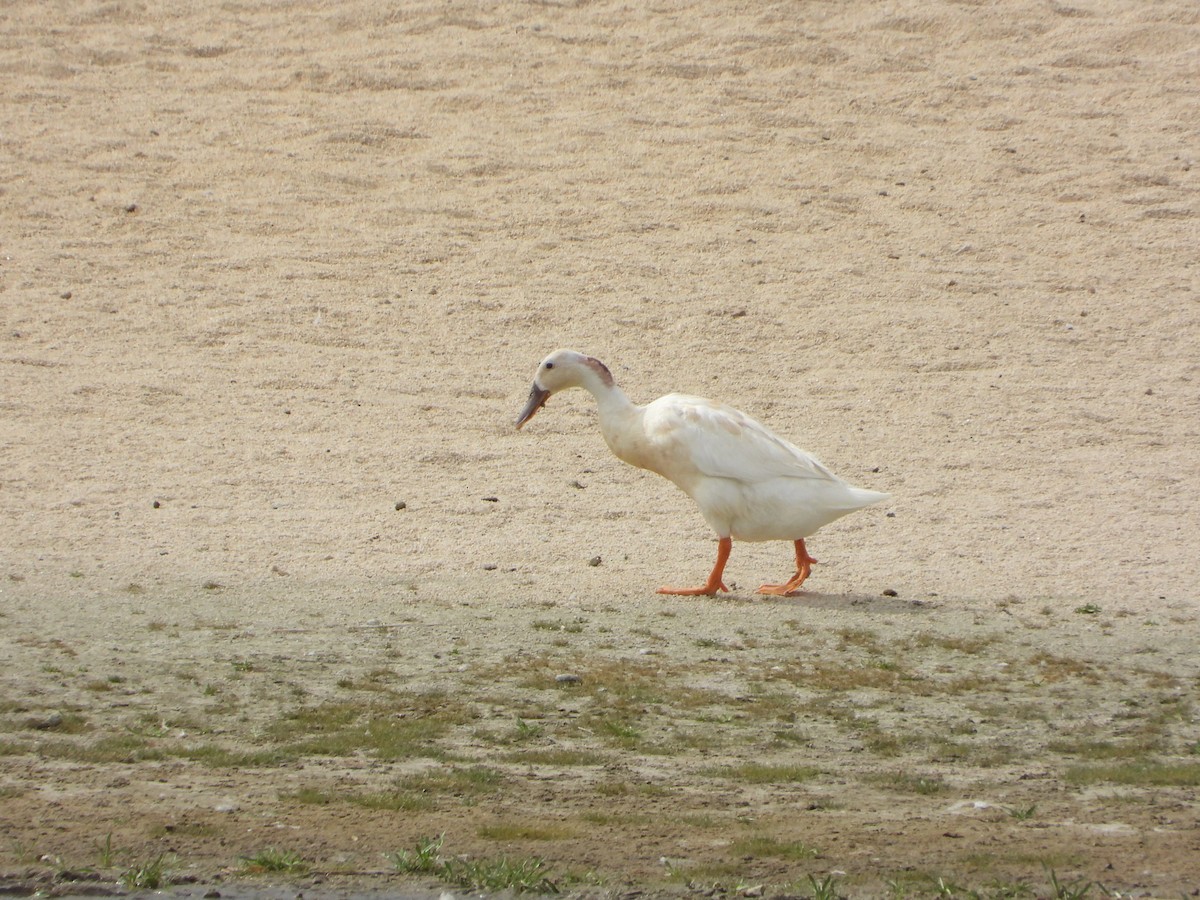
[750, 484]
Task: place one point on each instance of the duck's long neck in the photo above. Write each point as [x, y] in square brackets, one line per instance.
[620, 419]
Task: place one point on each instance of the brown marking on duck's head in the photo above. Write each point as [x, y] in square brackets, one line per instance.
[600, 369]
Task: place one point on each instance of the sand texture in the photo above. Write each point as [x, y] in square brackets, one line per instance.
[275, 278]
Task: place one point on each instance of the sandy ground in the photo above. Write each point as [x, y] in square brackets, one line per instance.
[274, 278]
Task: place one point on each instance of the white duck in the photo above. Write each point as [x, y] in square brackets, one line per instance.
[749, 483]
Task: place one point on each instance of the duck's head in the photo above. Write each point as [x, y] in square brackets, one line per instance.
[560, 370]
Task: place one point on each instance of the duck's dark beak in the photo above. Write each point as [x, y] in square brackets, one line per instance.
[537, 399]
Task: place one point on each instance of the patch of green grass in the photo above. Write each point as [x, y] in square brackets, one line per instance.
[967, 645]
[217, 757]
[826, 888]
[22, 852]
[1076, 890]
[612, 788]
[108, 749]
[345, 728]
[65, 723]
[473, 779]
[379, 679]
[273, 860]
[996, 889]
[714, 877]
[150, 725]
[760, 845]
[1093, 749]
[524, 831]
[384, 738]
[607, 817]
[422, 859]
[761, 773]
[923, 884]
[991, 755]
[835, 677]
[701, 821]
[1141, 773]
[1022, 813]
[396, 801]
[764, 704]
[467, 785]
[524, 731]
[526, 875]
[148, 876]
[791, 737]
[105, 854]
[681, 740]
[558, 756]
[328, 718]
[892, 743]
[617, 731]
[522, 875]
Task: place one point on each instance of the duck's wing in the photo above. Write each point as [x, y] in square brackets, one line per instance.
[722, 442]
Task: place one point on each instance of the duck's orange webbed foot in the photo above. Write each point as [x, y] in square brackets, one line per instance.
[714, 583]
[804, 564]
[708, 590]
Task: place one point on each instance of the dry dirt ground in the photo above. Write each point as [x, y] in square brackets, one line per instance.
[278, 573]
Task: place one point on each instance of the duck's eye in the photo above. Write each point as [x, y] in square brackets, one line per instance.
[549, 365]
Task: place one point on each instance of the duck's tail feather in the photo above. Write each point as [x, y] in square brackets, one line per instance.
[861, 497]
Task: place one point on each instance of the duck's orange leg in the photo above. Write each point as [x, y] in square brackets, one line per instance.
[714, 582]
[804, 564]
